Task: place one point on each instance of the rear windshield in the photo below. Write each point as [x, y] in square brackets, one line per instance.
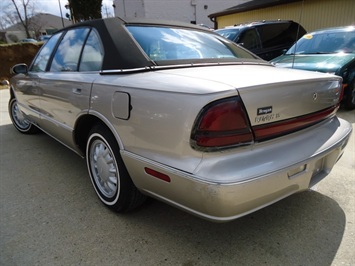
[166, 44]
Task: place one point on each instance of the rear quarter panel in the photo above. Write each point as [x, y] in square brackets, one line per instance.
[163, 109]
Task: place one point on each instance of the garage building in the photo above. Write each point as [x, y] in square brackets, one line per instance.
[311, 14]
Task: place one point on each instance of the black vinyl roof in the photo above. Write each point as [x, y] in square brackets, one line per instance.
[120, 49]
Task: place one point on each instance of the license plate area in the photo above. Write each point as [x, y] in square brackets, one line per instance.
[319, 172]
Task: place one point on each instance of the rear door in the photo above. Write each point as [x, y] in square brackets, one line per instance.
[66, 86]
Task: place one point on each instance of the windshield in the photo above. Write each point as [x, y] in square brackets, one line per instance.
[163, 44]
[325, 43]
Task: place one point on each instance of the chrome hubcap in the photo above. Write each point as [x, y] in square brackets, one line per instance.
[104, 169]
[18, 117]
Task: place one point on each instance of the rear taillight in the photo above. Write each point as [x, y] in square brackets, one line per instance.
[222, 124]
[342, 92]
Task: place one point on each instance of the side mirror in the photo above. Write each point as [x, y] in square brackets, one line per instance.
[19, 69]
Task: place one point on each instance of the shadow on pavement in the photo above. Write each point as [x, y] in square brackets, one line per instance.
[304, 229]
[50, 214]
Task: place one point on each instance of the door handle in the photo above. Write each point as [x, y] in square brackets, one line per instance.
[76, 90]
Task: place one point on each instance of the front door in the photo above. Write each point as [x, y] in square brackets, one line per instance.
[66, 85]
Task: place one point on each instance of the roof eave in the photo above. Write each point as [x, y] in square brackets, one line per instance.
[249, 6]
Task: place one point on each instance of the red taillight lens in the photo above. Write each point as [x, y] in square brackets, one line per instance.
[342, 92]
[222, 123]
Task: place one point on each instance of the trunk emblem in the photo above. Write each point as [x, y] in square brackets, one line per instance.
[264, 110]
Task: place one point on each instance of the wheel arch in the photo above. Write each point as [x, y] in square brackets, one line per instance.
[83, 126]
[12, 93]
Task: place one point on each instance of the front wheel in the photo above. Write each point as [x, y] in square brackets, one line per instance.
[18, 120]
[108, 173]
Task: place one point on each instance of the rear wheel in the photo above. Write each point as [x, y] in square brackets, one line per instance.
[349, 103]
[18, 120]
[108, 173]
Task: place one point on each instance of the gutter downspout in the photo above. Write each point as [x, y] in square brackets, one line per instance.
[193, 3]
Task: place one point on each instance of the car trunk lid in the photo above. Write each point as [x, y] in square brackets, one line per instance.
[266, 90]
[286, 106]
[278, 101]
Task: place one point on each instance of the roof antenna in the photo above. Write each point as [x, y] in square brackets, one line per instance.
[298, 32]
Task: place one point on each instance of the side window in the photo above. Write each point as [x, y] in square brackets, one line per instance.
[93, 53]
[67, 55]
[41, 61]
[278, 34]
[250, 39]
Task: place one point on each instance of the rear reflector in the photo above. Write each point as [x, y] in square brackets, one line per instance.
[157, 174]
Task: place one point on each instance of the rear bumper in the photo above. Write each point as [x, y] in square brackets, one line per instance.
[229, 185]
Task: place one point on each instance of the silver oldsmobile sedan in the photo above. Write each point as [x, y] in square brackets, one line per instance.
[176, 112]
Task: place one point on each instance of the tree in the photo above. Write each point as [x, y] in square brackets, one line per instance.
[8, 15]
[24, 10]
[85, 9]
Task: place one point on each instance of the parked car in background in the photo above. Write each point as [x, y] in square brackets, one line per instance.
[267, 39]
[174, 111]
[44, 38]
[329, 50]
[28, 40]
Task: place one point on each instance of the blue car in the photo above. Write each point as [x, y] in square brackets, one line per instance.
[28, 40]
[44, 38]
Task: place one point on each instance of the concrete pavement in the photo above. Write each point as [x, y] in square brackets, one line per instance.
[50, 215]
